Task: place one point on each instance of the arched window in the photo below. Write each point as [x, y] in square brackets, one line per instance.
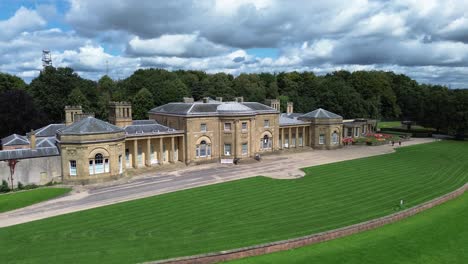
[203, 149]
[335, 138]
[266, 142]
[98, 164]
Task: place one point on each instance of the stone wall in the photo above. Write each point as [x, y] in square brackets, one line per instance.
[34, 170]
[314, 238]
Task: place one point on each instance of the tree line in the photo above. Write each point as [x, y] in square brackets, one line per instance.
[369, 94]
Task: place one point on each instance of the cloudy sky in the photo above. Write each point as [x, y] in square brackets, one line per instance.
[427, 40]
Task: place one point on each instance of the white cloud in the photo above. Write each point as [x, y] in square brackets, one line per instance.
[182, 45]
[23, 20]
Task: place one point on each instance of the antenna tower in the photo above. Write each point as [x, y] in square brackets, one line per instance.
[46, 58]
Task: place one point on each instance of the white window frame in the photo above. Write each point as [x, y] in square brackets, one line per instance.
[321, 139]
[203, 127]
[227, 153]
[335, 138]
[356, 131]
[266, 123]
[72, 167]
[242, 126]
[227, 126]
[245, 151]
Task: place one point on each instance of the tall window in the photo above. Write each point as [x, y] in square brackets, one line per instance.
[321, 139]
[227, 149]
[335, 138]
[350, 132]
[245, 149]
[203, 149]
[203, 127]
[227, 126]
[300, 140]
[127, 157]
[266, 123]
[120, 164]
[98, 164]
[265, 142]
[72, 167]
[356, 131]
[244, 126]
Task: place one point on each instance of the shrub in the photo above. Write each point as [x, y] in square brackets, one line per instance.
[4, 188]
[30, 186]
[20, 186]
[50, 183]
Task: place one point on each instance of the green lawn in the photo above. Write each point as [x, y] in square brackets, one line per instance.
[439, 235]
[241, 213]
[388, 124]
[15, 200]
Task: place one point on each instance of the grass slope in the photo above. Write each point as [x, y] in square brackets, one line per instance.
[388, 124]
[241, 213]
[15, 200]
[439, 235]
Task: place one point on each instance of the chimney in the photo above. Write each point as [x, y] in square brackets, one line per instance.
[239, 99]
[219, 99]
[290, 109]
[120, 113]
[70, 112]
[206, 100]
[188, 100]
[32, 139]
[273, 103]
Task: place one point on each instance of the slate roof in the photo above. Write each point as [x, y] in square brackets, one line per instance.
[148, 129]
[90, 125]
[49, 130]
[291, 119]
[144, 122]
[213, 108]
[320, 114]
[14, 140]
[28, 153]
[47, 142]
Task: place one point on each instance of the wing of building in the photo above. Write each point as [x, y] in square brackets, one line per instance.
[85, 149]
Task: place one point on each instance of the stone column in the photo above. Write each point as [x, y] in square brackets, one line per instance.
[289, 138]
[148, 152]
[172, 152]
[297, 137]
[161, 151]
[182, 148]
[135, 154]
[303, 136]
[282, 138]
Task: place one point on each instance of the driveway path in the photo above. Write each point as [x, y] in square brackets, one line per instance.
[282, 166]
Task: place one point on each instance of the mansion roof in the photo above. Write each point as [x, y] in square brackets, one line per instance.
[148, 128]
[15, 140]
[320, 114]
[90, 125]
[213, 108]
[28, 153]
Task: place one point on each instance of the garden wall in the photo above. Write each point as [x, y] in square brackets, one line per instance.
[312, 239]
[34, 170]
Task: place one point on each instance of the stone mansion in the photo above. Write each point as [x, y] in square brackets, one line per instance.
[85, 149]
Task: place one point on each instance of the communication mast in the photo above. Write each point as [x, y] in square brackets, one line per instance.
[46, 58]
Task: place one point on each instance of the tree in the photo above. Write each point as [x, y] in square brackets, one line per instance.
[250, 86]
[11, 82]
[18, 113]
[142, 102]
[76, 97]
[52, 87]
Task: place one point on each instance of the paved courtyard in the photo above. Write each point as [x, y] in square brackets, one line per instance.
[282, 166]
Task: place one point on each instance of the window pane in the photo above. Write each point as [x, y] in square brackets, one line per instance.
[227, 149]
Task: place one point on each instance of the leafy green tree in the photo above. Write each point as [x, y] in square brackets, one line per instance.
[142, 102]
[219, 85]
[18, 113]
[52, 87]
[250, 86]
[11, 82]
[102, 110]
[76, 97]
